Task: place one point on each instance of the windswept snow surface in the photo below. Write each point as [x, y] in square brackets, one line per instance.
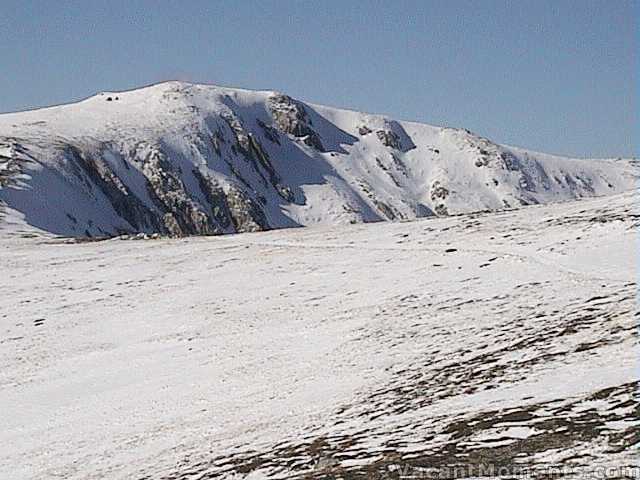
[178, 158]
[503, 339]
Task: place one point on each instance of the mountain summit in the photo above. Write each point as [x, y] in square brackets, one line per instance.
[180, 159]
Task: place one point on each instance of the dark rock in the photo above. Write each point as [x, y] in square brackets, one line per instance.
[438, 191]
[394, 136]
[269, 132]
[182, 215]
[250, 147]
[245, 213]
[441, 210]
[389, 139]
[291, 118]
[123, 201]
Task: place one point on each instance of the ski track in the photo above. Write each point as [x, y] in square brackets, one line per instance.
[440, 250]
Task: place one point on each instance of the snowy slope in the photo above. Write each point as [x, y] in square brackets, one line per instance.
[177, 158]
[365, 351]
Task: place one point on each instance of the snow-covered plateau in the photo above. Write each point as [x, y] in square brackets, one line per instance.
[497, 340]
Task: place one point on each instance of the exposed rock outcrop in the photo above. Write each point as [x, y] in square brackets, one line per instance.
[246, 215]
[252, 150]
[364, 130]
[389, 139]
[438, 194]
[394, 136]
[291, 118]
[124, 202]
[182, 215]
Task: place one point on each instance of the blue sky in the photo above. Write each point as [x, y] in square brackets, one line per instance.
[555, 76]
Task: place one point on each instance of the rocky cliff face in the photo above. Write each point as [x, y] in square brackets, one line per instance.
[181, 159]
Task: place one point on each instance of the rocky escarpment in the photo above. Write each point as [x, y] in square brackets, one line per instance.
[291, 118]
[439, 193]
[181, 159]
[247, 144]
[391, 135]
[172, 210]
[525, 172]
[12, 161]
[97, 174]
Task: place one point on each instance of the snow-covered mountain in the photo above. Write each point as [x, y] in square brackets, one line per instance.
[178, 158]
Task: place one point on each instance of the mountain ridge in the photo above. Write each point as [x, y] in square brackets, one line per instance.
[180, 159]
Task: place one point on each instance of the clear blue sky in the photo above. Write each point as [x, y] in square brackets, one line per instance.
[556, 76]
